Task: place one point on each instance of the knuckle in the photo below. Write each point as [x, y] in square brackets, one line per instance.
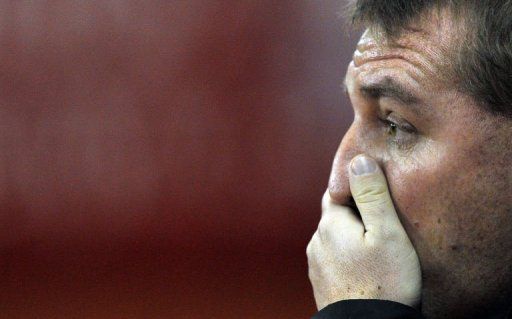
[371, 192]
[389, 234]
[375, 205]
[311, 274]
[326, 199]
[383, 237]
[310, 249]
[373, 202]
[379, 209]
[324, 226]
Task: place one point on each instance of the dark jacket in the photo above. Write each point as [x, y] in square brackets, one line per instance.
[367, 309]
[372, 309]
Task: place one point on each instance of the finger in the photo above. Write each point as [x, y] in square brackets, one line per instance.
[369, 188]
[343, 217]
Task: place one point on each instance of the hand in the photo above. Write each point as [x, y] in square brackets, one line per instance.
[372, 258]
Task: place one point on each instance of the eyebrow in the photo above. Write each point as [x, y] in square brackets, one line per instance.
[388, 87]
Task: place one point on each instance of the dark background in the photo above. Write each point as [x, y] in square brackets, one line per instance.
[165, 159]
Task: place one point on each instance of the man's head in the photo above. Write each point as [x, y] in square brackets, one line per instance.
[431, 87]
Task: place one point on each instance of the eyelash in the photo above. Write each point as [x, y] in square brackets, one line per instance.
[394, 130]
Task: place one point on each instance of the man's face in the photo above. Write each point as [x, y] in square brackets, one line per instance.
[447, 164]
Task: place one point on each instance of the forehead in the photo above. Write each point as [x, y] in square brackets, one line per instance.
[424, 49]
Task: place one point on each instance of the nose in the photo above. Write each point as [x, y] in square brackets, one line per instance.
[353, 143]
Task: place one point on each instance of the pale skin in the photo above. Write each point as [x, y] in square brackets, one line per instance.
[344, 245]
[448, 167]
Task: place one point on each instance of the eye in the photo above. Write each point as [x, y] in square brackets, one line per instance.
[400, 132]
[392, 128]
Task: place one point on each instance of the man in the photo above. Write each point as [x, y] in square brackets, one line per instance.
[417, 219]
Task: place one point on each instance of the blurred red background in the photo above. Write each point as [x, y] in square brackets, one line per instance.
[165, 159]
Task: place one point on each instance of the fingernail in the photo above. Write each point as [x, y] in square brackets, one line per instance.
[363, 165]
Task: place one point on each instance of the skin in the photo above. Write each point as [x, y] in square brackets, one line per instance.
[449, 178]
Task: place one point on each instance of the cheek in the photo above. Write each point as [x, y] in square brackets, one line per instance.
[410, 189]
[420, 198]
[433, 196]
[416, 184]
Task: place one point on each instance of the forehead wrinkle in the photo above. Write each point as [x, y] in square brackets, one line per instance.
[373, 78]
[424, 64]
[431, 41]
[428, 54]
[400, 68]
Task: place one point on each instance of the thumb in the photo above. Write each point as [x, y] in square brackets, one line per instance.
[369, 188]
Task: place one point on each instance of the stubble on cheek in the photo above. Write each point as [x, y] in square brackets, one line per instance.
[456, 211]
[416, 197]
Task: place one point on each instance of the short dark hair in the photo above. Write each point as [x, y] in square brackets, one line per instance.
[484, 61]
